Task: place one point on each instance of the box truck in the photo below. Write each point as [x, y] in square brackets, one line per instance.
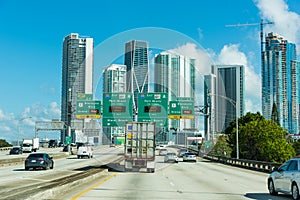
[140, 146]
[30, 145]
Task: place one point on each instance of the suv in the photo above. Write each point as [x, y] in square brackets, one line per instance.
[85, 151]
[39, 160]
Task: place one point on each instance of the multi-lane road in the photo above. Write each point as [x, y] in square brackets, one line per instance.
[201, 180]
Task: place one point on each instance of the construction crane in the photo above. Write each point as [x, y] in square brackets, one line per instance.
[261, 24]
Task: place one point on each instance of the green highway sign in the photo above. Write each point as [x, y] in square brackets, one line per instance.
[117, 108]
[182, 108]
[84, 97]
[153, 107]
[88, 109]
[68, 139]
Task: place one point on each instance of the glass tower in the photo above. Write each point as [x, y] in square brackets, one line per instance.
[114, 80]
[228, 99]
[175, 75]
[280, 83]
[77, 74]
[137, 72]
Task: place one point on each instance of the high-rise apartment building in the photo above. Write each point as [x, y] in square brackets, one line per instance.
[175, 75]
[280, 83]
[77, 74]
[137, 62]
[225, 96]
[114, 80]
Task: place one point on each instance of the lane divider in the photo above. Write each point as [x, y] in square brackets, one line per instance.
[94, 186]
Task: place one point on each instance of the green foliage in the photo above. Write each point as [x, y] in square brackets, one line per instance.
[260, 139]
[3, 143]
[221, 148]
[296, 146]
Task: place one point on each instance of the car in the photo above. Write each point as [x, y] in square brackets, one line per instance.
[189, 156]
[171, 157]
[163, 152]
[181, 152]
[112, 145]
[52, 144]
[39, 160]
[286, 179]
[85, 151]
[16, 150]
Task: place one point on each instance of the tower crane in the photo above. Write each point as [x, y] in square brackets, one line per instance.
[261, 24]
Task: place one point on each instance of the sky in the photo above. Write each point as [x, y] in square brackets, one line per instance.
[32, 32]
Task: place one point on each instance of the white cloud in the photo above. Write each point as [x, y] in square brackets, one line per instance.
[37, 112]
[286, 22]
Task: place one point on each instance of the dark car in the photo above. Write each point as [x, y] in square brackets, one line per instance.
[16, 150]
[52, 144]
[39, 160]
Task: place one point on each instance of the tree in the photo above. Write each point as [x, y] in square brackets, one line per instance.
[3, 143]
[260, 139]
[221, 148]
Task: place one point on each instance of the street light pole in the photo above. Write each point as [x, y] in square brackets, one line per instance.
[19, 121]
[234, 103]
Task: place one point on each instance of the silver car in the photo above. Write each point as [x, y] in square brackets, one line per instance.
[171, 157]
[286, 179]
[189, 156]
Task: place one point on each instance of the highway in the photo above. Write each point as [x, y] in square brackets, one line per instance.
[201, 180]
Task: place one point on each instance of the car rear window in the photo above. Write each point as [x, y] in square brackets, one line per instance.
[36, 155]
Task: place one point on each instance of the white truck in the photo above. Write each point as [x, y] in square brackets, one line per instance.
[140, 146]
[30, 145]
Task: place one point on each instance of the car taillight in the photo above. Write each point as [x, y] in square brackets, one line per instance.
[41, 159]
[26, 160]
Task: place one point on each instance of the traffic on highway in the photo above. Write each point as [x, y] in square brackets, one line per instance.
[104, 177]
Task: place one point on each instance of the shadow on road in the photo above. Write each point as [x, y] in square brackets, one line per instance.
[264, 196]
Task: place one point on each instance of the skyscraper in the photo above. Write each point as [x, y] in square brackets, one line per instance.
[77, 74]
[114, 80]
[175, 75]
[280, 83]
[137, 72]
[227, 102]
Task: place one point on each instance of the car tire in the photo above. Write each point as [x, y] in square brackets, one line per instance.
[52, 166]
[295, 192]
[271, 188]
[26, 168]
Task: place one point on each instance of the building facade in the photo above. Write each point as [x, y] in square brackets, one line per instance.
[137, 71]
[224, 95]
[77, 75]
[280, 83]
[175, 75]
[114, 80]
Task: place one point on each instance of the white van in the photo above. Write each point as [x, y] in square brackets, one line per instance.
[85, 151]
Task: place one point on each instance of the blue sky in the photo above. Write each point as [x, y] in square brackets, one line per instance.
[32, 33]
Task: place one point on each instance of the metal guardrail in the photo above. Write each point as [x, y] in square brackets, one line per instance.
[243, 163]
[248, 164]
